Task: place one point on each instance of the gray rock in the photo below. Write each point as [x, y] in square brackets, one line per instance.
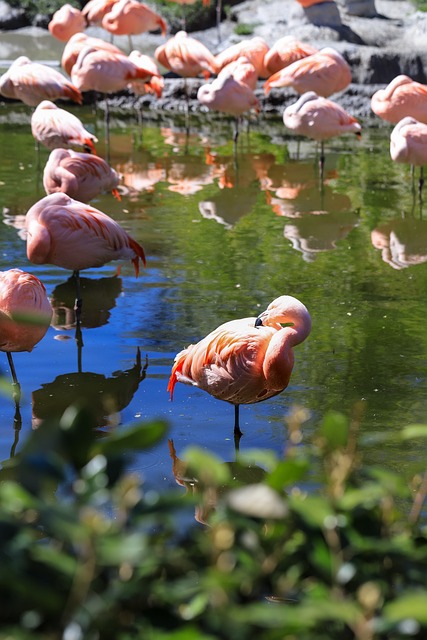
[11, 17]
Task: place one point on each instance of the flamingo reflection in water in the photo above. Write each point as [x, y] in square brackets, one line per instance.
[105, 396]
[208, 492]
[247, 360]
[402, 242]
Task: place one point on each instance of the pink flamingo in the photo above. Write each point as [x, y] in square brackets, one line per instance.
[186, 56]
[247, 360]
[66, 22]
[408, 144]
[81, 176]
[242, 70]
[76, 236]
[324, 72]
[80, 41]
[253, 49]
[284, 52]
[320, 119]
[25, 315]
[54, 127]
[129, 17]
[153, 82]
[95, 10]
[33, 82]
[402, 97]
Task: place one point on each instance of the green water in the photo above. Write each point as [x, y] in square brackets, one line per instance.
[224, 235]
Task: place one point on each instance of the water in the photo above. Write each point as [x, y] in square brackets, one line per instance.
[224, 235]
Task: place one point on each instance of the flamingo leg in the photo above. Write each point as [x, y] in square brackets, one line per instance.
[130, 43]
[237, 432]
[16, 393]
[322, 160]
[184, 18]
[421, 181]
[17, 424]
[107, 129]
[218, 19]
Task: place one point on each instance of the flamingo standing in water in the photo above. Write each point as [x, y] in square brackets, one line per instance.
[325, 72]
[54, 127]
[72, 235]
[82, 176]
[25, 315]
[66, 22]
[402, 97]
[408, 144]
[247, 360]
[320, 119]
[33, 82]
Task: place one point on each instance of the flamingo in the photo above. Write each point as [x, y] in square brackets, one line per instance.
[129, 17]
[408, 144]
[242, 70]
[253, 49]
[66, 22]
[95, 10]
[325, 72]
[54, 127]
[153, 82]
[79, 175]
[284, 52]
[25, 315]
[402, 97]
[186, 56]
[247, 360]
[78, 42]
[72, 235]
[33, 82]
[320, 119]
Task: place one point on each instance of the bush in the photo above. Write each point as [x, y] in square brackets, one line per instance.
[317, 546]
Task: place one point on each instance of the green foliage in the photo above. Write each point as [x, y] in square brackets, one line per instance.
[86, 552]
[243, 29]
[47, 7]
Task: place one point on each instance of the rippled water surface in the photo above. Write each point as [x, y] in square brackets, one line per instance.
[224, 235]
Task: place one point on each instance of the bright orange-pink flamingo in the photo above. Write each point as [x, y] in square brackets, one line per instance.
[33, 82]
[81, 176]
[78, 42]
[25, 314]
[247, 360]
[402, 97]
[129, 17]
[253, 49]
[54, 127]
[95, 10]
[76, 236]
[325, 72]
[186, 56]
[320, 119]
[153, 82]
[408, 144]
[66, 22]
[284, 52]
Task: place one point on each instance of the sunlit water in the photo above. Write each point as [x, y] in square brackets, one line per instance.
[224, 235]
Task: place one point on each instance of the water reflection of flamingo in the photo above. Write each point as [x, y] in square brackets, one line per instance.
[79, 175]
[402, 242]
[242, 475]
[105, 396]
[25, 314]
[247, 360]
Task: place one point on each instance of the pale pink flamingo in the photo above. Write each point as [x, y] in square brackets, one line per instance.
[408, 144]
[25, 314]
[33, 82]
[76, 236]
[325, 72]
[228, 95]
[129, 17]
[95, 10]
[320, 119]
[247, 360]
[402, 97]
[81, 176]
[66, 22]
[284, 52]
[242, 70]
[153, 82]
[254, 49]
[78, 42]
[186, 56]
[54, 127]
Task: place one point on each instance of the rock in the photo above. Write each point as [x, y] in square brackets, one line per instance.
[11, 17]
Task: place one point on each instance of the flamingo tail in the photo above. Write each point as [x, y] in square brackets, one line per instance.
[71, 92]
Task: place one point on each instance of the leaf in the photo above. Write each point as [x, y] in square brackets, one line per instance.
[414, 431]
[413, 604]
[206, 467]
[334, 428]
[288, 472]
[314, 510]
[136, 438]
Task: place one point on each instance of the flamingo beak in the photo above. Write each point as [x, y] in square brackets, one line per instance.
[258, 322]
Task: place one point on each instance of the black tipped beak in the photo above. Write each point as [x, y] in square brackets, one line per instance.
[258, 322]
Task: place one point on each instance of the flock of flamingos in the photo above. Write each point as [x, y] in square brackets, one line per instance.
[242, 361]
